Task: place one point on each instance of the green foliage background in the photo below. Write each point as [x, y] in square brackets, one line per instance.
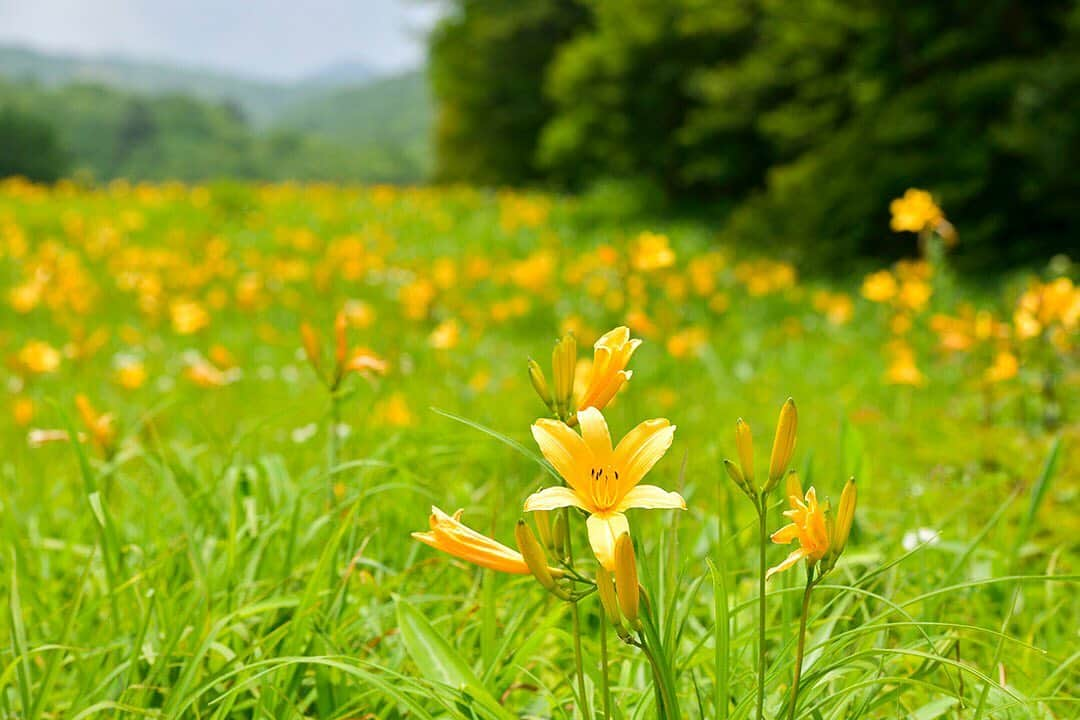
[801, 121]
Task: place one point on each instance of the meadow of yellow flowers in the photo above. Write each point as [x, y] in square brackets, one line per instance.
[230, 405]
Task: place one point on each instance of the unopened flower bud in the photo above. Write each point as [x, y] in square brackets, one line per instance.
[845, 516]
[563, 366]
[540, 385]
[783, 444]
[744, 443]
[626, 579]
[341, 341]
[543, 526]
[605, 588]
[737, 477]
[535, 558]
[311, 344]
[560, 534]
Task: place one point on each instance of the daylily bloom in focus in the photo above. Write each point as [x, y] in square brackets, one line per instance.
[808, 526]
[450, 535]
[611, 354]
[607, 374]
[602, 480]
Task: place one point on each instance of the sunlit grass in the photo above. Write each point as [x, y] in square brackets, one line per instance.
[196, 569]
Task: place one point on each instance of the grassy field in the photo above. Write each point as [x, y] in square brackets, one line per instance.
[230, 539]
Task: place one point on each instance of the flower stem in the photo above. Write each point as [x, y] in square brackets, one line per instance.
[605, 688]
[764, 536]
[578, 662]
[802, 642]
[334, 419]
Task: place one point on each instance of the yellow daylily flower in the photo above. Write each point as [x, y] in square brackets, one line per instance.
[808, 526]
[450, 535]
[602, 480]
[611, 353]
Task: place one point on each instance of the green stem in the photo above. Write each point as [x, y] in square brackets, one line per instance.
[667, 709]
[579, 663]
[764, 536]
[802, 642]
[334, 419]
[604, 686]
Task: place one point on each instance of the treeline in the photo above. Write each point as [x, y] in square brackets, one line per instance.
[101, 133]
[799, 120]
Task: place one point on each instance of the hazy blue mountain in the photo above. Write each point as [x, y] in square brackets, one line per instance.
[261, 100]
[343, 74]
[381, 122]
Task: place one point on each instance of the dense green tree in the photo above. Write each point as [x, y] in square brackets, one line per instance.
[488, 68]
[29, 147]
[802, 119]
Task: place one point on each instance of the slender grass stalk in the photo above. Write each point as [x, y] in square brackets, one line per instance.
[801, 647]
[605, 687]
[763, 533]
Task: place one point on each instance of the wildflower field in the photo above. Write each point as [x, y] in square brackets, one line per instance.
[240, 417]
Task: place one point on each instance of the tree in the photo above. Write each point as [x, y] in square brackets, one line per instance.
[29, 147]
[489, 60]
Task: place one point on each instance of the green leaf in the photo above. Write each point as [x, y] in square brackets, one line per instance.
[438, 661]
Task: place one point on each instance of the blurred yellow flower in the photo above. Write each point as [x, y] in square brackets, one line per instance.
[360, 314]
[100, 425]
[22, 410]
[601, 480]
[651, 251]
[914, 212]
[902, 368]
[879, 286]
[131, 374]
[1005, 367]
[188, 317]
[446, 335]
[204, 374]
[395, 411]
[687, 343]
[837, 307]
[39, 357]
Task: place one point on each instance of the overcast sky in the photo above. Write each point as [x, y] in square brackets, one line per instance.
[281, 39]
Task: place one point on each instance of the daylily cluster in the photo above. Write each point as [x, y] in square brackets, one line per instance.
[820, 539]
[601, 479]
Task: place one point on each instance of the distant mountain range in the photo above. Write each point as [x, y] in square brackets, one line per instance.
[261, 100]
[352, 104]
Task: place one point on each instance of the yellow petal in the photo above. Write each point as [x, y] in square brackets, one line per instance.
[614, 338]
[564, 449]
[594, 430]
[553, 498]
[650, 497]
[604, 530]
[786, 534]
[789, 561]
[640, 450]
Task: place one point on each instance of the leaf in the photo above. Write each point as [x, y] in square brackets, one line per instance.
[438, 661]
[502, 438]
